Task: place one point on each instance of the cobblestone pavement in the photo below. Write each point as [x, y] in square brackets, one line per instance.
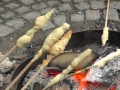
[17, 16]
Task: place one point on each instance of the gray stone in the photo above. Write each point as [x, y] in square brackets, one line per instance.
[59, 19]
[1, 9]
[44, 11]
[4, 30]
[39, 6]
[7, 15]
[6, 0]
[113, 15]
[49, 25]
[115, 5]
[77, 17]
[82, 6]
[65, 0]
[31, 16]
[92, 15]
[27, 2]
[12, 5]
[22, 9]
[97, 4]
[65, 7]
[1, 20]
[16, 23]
[77, 1]
[52, 3]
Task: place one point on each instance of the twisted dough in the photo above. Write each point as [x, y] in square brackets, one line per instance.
[60, 45]
[39, 23]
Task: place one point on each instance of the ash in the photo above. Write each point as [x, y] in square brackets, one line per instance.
[110, 72]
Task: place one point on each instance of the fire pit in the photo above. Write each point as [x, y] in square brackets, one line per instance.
[79, 42]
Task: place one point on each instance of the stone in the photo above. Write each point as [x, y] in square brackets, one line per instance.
[77, 17]
[82, 6]
[15, 23]
[9, 14]
[97, 4]
[92, 15]
[5, 30]
[59, 19]
[22, 9]
[65, 7]
[49, 25]
[27, 2]
[12, 5]
[65, 0]
[39, 6]
[1, 9]
[52, 3]
[78, 1]
[31, 16]
[113, 15]
[1, 20]
[115, 5]
[44, 11]
[6, 0]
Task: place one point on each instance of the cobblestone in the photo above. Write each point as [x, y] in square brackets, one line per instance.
[27, 2]
[44, 11]
[4, 30]
[1, 20]
[15, 23]
[39, 6]
[12, 5]
[65, 0]
[77, 1]
[97, 4]
[115, 5]
[7, 15]
[82, 6]
[48, 26]
[59, 19]
[113, 15]
[52, 3]
[1, 9]
[92, 15]
[77, 17]
[65, 7]
[22, 9]
[31, 16]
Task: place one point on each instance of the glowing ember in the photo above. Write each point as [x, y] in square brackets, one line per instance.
[53, 72]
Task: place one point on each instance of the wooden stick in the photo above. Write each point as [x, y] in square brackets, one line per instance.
[44, 64]
[19, 76]
[107, 12]
[8, 53]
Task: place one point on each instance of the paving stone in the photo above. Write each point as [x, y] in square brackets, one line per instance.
[5, 30]
[39, 6]
[31, 16]
[115, 5]
[12, 5]
[49, 25]
[77, 1]
[1, 20]
[97, 4]
[44, 11]
[16, 23]
[52, 3]
[82, 6]
[1, 9]
[7, 15]
[6, 0]
[92, 15]
[22, 9]
[113, 15]
[59, 19]
[77, 17]
[65, 0]
[65, 7]
[27, 2]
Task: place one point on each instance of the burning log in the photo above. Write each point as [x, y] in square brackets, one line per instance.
[74, 64]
